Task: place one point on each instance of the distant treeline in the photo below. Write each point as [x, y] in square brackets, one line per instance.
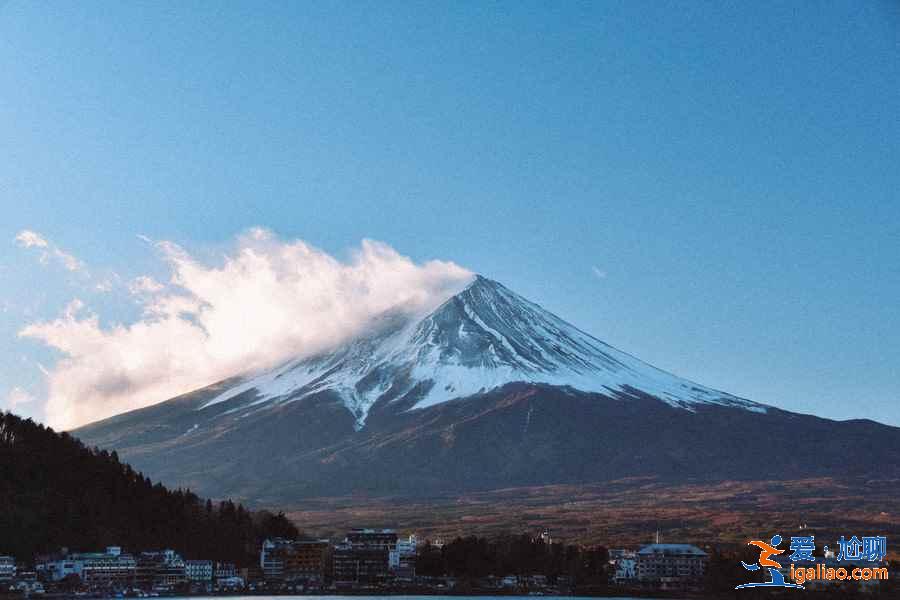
[587, 569]
[475, 557]
[56, 492]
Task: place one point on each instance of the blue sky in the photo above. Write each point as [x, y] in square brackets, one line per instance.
[712, 187]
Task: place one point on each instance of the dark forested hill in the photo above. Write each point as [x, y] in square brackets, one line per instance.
[55, 491]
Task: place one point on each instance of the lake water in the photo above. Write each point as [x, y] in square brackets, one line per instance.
[336, 597]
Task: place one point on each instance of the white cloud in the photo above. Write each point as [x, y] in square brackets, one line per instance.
[269, 301]
[31, 239]
[17, 397]
[598, 272]
[145, 285]
[68, 261]
[104, 285]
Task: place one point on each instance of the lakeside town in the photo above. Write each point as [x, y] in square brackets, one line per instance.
[365, 561]
[370, 561]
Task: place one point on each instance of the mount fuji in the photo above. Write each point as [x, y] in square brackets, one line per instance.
[487, 391]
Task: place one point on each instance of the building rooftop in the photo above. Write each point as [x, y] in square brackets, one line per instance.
[387, 531]
[672, 549]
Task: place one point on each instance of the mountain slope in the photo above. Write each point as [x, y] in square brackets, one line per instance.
[485, 392]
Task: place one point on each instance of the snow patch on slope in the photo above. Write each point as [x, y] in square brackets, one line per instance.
[480, 339]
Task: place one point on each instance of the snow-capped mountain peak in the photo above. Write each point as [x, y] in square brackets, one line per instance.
[479, 339]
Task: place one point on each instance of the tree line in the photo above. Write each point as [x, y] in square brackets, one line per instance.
[56, 492]
[587, 568]
[474, 557]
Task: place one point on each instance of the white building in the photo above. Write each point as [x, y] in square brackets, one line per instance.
[199, 571]
[94, 568]
[163, 570]
[7, 568]
[624, 563]
[270, 558]
[402, 559]
[224, 570]
[671, 563]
